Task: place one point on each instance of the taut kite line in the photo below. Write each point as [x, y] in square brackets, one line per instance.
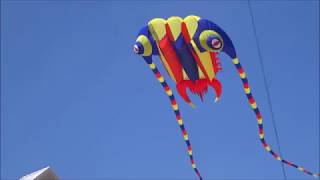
[188, 49]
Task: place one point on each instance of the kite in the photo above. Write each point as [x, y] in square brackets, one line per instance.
[188, 49]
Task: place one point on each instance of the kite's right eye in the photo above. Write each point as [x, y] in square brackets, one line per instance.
[211, 41]
[215, 43]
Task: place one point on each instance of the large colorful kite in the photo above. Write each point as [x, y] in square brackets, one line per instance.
[188, 50]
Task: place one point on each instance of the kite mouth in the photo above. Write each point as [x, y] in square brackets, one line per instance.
[198, 87]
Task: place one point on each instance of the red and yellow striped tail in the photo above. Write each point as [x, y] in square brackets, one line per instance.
[255, 108]
[176, 110]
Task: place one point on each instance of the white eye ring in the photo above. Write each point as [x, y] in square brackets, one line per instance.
[136, 49]
[216, 43]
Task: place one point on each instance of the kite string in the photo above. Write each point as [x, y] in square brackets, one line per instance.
[266, 87]
[175, 108]
[256, 110]
[270, 104]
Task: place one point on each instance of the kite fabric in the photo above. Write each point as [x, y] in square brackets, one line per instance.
[188, 49]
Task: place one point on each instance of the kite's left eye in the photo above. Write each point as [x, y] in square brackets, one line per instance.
[142, 46]
[138, 48]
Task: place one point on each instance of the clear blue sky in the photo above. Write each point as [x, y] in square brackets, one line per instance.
[75, 97]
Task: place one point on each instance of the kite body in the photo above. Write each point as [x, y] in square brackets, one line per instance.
[188, 49]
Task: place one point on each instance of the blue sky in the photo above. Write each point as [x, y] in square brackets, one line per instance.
[75, 97]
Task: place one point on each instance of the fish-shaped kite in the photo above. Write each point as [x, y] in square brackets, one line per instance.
[188, 49]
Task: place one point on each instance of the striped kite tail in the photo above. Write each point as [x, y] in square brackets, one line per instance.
[259, 119]
[177, 113]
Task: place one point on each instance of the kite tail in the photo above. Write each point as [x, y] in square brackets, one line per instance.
[259, 119]
[177, 113]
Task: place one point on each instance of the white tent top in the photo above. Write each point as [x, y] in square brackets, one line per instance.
[42, 174]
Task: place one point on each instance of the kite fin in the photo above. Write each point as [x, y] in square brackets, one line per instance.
[216, 85]
[182, 90]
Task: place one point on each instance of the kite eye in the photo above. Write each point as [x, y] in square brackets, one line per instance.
[135, 49]
[211, 41]
[142, 46]
[215, 43]
[138, 48]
